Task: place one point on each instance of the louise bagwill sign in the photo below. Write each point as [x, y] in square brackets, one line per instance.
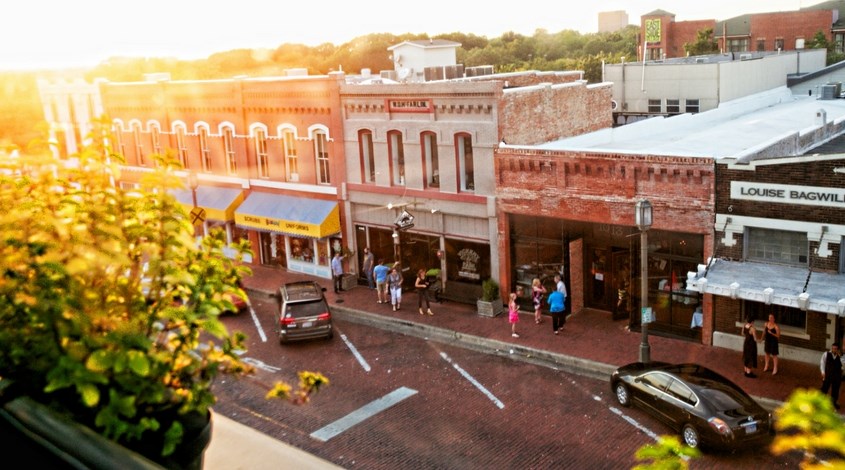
[789, 194]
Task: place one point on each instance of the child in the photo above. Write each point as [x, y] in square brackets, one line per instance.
[513, 314]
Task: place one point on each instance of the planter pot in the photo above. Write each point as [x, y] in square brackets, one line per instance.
[348, 281]
[490, 309]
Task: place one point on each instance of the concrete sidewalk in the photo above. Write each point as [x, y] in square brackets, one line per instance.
[591, 344]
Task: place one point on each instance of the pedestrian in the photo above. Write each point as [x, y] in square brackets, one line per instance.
[513, 314]
[337, 271]
[422, 292]
[771, 336]
[380, 272]
[394, 283]
[369, 259]
[537, 291]
[559, 285]
[749, 348]
[556, 306]
[831, 367]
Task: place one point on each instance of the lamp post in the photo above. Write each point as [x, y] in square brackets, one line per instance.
[643, 218]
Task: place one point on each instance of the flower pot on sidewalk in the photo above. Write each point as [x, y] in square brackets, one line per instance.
[490, 308]
[348, 281]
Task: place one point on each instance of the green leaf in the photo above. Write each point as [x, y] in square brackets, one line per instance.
[90, 394]
[139, 364]
[100, 361]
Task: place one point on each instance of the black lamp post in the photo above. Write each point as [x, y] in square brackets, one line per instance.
[643, 218]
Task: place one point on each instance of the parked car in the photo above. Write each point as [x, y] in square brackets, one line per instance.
[241, 304]
[705, 407]
[303, 312]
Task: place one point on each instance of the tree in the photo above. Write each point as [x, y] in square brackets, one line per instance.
[808, 423]
[703, 44]
[668, 454]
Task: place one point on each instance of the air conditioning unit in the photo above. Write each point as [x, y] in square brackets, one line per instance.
[745, 57]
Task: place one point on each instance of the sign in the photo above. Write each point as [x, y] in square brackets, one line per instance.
[197, 216]
[409, 105]
[647, 315]
[788, 194]
[404, 221]
[652, 30]
[469, 264]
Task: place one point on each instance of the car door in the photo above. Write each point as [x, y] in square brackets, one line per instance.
[652, 392]
[678, 403]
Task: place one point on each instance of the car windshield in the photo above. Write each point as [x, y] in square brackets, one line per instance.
[307, 309]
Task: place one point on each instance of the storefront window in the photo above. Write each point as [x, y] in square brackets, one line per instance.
[467, 261]
[301, 249]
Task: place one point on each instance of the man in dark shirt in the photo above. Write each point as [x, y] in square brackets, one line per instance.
[831, 368]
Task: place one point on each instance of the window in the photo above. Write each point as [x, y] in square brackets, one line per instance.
[655, 106]
[321, 153]
[842, 256]
[777, 246]
[778, 44]
[181, 147]
[839, 42]
[655, 53]
[761, 44]
[289, 142]
[681, 392]
[673, 106]
[738, 45]
[117, 132]
[784, 316]
[229, 148]
[205, 153]
[691, 106]
[397, 157]
[368, 160]
[155, 134]
[463, 143]
[799, 43]
[261, 153]
[136, 141]
[431, 163]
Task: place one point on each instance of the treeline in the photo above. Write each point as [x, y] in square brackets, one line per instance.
[21, 112]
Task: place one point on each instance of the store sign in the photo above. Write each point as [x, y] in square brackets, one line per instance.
[788, 194]
[409, 105]
[469, 264]
[278, 225]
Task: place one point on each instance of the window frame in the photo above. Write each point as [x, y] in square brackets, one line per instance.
[465, 163]
[759, 240]
[137, 144]
[181, 145]
[205, 151]
[261, 157]
[155, 137]
[396, 151]
[228, 135]
[655, 105]
[321, 157]
[430, 159]
[692, 105]
[291, 158]
[673, 106]
[366, 156]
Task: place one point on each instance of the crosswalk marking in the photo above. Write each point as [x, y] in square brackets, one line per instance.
[361, 414]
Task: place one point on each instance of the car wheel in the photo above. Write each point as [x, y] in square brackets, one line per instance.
[690, 435]
[623, 395]
[330, 335]
[282, 340]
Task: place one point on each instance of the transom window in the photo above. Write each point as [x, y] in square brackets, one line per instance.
[289, 142]
[261, 153]
[321, 153]
[463, 144]
[229, 148]
[205, 152]
[368, 161]
[431, 161]
[777, 246]
[397, 157]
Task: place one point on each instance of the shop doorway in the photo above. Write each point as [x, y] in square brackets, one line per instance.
[273, 249]
[609, 285]
[418, 252]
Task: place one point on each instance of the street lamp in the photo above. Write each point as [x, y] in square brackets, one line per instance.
[643, 219]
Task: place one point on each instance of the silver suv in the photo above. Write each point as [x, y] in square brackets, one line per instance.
[303, 312]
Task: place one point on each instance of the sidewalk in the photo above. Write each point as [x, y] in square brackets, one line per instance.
[590, 344]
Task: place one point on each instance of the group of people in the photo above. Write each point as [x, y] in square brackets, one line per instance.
[556, 302]
[387, 281]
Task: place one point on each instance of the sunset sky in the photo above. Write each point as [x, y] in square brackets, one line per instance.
[61, 33]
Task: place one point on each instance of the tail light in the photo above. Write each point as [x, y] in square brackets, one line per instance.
[287, 321]
[720, 426]
[324, 316]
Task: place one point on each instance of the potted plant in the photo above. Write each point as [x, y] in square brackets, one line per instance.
[109, 307]
[490, 304]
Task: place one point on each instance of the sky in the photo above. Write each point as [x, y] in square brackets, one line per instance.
[37, 34]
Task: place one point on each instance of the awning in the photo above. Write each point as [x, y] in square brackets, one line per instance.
[298, 216]
[772, 284]
[219, 203]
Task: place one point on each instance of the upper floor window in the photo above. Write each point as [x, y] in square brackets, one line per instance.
[205, 152]
[321, 153]
[229, 148]
[839, 43]
[673, 106]
[139, 146]
[155, 135]
[691, 106]
[261, 153]
[368, 159]
[431, 163]
[292, 167]
[396, 148]
[181, 146]
[655, 106]
[463, 144]
[738, 45]
[119, 146]
[777, 246]
[761, 44]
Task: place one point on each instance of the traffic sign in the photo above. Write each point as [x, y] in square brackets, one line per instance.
[197, 215]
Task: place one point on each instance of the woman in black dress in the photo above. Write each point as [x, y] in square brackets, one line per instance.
[749, 348]
[771, 336]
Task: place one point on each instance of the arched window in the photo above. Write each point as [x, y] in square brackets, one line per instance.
[463, 154]
[396, 148]
[181, 145]
[289, 142]
[261, 153]
[205, 152]
[136, 141]
[368, 159]
[229, 148]
[430, 160]
[321, 153]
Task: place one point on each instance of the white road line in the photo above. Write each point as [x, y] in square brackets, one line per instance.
[361, 414]
[634, 423]
[356, 353]
[473, 381]
[261, 365]
[257, 325]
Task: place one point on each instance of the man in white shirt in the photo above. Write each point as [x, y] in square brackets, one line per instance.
[337, 271]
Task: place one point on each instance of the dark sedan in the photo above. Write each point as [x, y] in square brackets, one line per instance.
[705, 407]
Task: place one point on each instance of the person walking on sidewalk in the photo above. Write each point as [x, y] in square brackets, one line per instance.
[749, 348]
[369, 259]
[771, 336]
[537, 291]
[421, 285]
[556, 306]
[337, 271]
[394, 282]
[513, 314]
[831, 366]
[380, 272]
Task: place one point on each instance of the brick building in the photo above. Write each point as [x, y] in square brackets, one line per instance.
[426, 149]
[663, 37]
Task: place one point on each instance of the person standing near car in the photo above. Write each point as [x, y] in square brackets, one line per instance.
[394, 283]
[831, 368]
[337, 271]
[369, 259]
[749, 348]
[421, 285]
[556, 305]
[771, 335]
[380, 272]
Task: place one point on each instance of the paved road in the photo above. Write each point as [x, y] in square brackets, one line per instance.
[451, 408]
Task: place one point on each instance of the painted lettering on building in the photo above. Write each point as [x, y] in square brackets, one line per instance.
[469, 264]
[409, 105]
[788, 194]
